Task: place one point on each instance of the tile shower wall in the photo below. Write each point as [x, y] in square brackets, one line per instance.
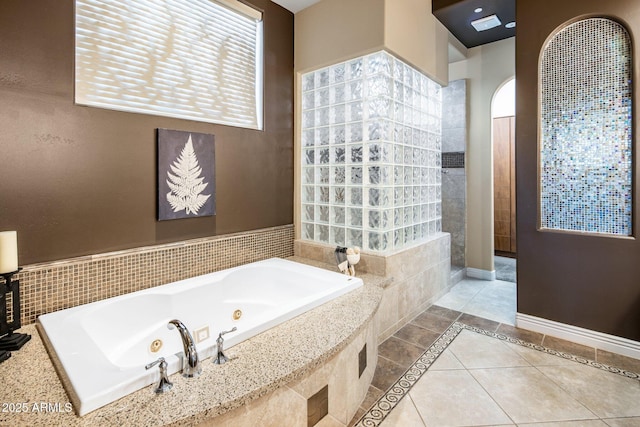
[371, 144]
[586, 129]
[454, 179]
[58, 285]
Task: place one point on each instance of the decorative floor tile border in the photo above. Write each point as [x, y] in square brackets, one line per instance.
[385, 404]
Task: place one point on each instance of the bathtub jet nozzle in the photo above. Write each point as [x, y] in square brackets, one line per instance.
[191, 367]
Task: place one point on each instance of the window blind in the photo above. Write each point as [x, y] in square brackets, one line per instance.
[189, 59]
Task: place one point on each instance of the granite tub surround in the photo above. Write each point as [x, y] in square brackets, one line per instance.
[272, 373]
[417, 276]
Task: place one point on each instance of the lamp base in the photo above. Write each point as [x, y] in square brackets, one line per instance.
[4, 355]
[14, 341]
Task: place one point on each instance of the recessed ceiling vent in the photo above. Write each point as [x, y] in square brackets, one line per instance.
[486, 23]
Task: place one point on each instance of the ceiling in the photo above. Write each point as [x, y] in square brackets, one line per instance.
[457, 15]
[295, 5]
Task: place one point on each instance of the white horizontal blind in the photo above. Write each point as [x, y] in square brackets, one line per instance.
[190, 59]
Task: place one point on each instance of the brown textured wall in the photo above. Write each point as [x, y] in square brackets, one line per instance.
[79, 180]
[586, 281]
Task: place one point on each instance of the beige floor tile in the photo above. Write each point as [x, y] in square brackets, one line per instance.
[528, 396]
[454, 398]
[478, 351]
[539, 358]
[404, 414]
[329, 421]
[446, 361]
[581, 423]
[606, 394]
[623, 422]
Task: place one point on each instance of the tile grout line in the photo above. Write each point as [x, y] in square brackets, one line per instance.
[392, 396]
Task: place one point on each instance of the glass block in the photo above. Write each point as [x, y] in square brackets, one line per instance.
[408, 195]
[432, 211]
[408, 235]
[416, 214]
[337, 114]
[323, 136]
[308, 138]
[308, 156]
[417, 232]
[398, 196]
[322, 175]
[308, 101]
[433, 227]
[354, 70]
[308, 119]
[322, 118]
[355, 174]
[381, 197]
[322, 214]
[308, 175]
[379, 62]
[322, 77]
[338, 175]
[356, 152]
[308, 82]
[337, 73]
[322, 233]
[379, 175]
[308, 213]
[355, 217]
[307, 231]
[354, 237]
[323, 155]
[407, 215]
[322, 195]
[398, 238]
[354, 90]
[373, 219]
[379, 108]
[355, 196]
[416, 194]
[338, 154]
[398, 214]
[375, 241]
[337, 215]
[337, 195]
[338, 236]
[322, 97]
[408, 156]
[308, 194]
[338, 134]
[354, 112]
[378, 241]
[424, 194]
[398, 175]
[379, 86]
[379, 130]
[337, 94]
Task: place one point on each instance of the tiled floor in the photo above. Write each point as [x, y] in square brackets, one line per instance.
[464, 365]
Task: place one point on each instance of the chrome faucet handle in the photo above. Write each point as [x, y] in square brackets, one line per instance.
[164, 384]
[220, 357]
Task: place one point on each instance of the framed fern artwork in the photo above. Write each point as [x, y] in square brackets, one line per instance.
[186, 175]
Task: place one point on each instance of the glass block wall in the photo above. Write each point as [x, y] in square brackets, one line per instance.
[586, 129]
[371, 154]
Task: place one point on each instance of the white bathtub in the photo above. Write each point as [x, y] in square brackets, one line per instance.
[101, 348]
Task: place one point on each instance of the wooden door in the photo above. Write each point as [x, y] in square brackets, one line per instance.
[504, 184]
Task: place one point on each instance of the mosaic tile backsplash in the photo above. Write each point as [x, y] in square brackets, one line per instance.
[371, 154]
[586, 129]
[53, 286]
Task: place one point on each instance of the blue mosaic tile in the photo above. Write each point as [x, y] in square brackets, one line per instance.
[586, 129]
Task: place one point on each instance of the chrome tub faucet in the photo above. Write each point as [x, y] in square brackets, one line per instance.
[191, 367]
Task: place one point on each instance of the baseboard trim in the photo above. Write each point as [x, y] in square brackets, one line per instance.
[477, 273]
[579, 335]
